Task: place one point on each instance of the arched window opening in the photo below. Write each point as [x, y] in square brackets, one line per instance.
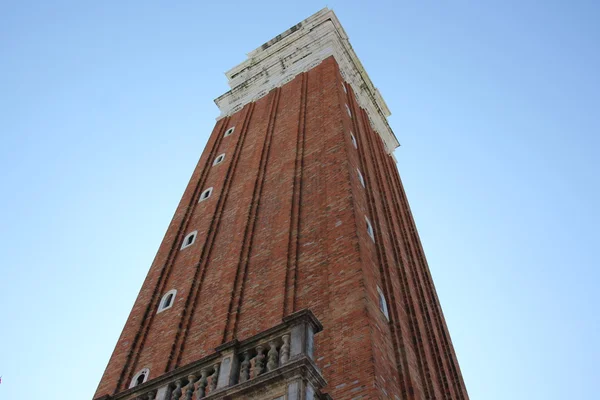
[370, 229]
[167, 300]
[360, 178]
[353, 141]
[206, 194]
[139, 378]
[219, 159]
[383, 304]
[189, 239]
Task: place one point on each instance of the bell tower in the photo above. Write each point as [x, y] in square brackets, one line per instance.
[292, 268]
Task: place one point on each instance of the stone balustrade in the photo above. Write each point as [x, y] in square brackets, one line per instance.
[276, 363]
[194, 386]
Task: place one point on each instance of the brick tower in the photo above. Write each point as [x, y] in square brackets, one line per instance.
[292, 268]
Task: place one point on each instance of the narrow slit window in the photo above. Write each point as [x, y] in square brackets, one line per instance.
[344, 87]
[206, 194]
[354, 143]
[382, 303]
[348, 110]
[370, 229]
[219, 159]
[167, 300]
[229, 131]
[360, 177]
[189, 239]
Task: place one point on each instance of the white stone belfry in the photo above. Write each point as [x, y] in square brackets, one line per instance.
[299, 49]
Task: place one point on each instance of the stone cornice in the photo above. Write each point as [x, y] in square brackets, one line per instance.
[299, 49]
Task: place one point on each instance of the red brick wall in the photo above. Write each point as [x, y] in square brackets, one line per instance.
[285, 230]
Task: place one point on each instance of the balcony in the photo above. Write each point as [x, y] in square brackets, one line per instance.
[276, 364]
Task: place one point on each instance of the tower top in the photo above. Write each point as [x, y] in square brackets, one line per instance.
[299, 49]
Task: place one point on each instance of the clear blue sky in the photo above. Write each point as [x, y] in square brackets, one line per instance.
[105, 107]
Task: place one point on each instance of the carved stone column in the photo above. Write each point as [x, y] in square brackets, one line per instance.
[245, 367]
[151, 395]
[202, 383]
[176, 395]
[214, 377]
[272, 356]
[285, 349]
[189, 389]
[259, 361]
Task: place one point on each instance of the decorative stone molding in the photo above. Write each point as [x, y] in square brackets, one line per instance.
[299, 49]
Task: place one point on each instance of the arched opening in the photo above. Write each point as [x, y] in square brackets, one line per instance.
[206, 194]
[190, 240]
[140, 379]
[168, 300]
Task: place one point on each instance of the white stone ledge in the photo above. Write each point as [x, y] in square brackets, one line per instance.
[299, 49]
